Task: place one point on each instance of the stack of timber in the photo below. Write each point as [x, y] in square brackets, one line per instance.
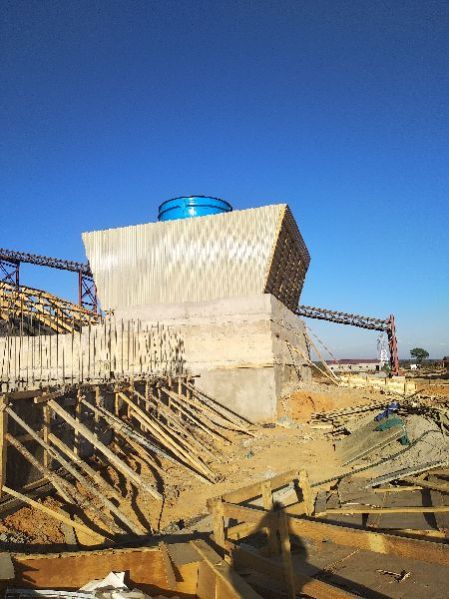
[82, 439]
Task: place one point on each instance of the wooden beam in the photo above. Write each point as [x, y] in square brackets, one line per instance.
[3, 442]
[425, 484]
[254, 490]
[304, 585]
[310, 528]
[419, 509]
[236, 587]
[54, 514]
[426, 551]
[109, 455]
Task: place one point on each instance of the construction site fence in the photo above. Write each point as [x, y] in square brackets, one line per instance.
[398, 384]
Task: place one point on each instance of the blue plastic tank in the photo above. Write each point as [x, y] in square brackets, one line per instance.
[189, 206]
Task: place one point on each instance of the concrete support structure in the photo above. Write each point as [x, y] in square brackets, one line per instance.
[239, 347]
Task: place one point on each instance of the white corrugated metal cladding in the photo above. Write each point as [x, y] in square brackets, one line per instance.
[189, 260]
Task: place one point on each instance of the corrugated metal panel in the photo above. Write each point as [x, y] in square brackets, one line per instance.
[192, 260]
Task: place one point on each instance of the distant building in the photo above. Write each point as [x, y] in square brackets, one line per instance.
[354, 365]
[445, 362]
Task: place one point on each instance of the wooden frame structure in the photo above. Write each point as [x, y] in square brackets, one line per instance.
[191, 569]
[25, 308]
[158, 421]
[297, 520]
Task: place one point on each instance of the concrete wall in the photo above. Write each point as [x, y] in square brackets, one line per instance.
[239, 347]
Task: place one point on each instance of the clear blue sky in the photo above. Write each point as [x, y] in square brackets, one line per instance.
[340, 109]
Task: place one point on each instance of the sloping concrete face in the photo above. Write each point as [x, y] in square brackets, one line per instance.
[229, 255]
[239, 347]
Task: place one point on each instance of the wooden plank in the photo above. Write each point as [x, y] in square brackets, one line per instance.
[3, 442]
[116, 461]
[426, 551]
[428, 484]
[54, 514]
[396, 489]
[252, 491]
[246, 559]
[250, 514]
[171, 576]
[418, 509]
[236, 587]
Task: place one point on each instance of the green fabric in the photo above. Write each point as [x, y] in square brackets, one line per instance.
[392, 422]
[388, 423]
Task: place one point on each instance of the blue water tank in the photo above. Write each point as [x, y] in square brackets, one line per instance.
[186, 207]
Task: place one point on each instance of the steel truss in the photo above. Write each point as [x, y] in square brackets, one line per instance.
[10, 264]
[357, 320]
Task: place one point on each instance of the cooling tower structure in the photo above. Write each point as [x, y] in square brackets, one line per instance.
[228, 284]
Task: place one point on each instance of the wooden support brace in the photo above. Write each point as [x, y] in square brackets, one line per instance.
[166, 440]
[56, 515]
[77, 476]
[3, 442]
[109, 455]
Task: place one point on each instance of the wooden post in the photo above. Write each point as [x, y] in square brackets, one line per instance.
[116, 403]
[216, 506]
[306, 492]
[46, 433]
[77, 443]
[267, 498]
[3, 441]
[97, 401]
[286, 555]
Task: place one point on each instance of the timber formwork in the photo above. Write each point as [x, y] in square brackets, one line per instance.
[76, 438]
